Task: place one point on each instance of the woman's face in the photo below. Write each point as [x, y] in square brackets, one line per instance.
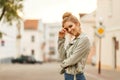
[71, 28]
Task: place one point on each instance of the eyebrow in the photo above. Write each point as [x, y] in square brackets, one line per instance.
[70, 25]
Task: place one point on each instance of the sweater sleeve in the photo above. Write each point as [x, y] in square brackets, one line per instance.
[79, 52]
[61, 48]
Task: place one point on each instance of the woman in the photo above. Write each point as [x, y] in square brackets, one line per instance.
[74, 56]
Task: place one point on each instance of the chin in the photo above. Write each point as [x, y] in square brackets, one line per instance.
[70, 33]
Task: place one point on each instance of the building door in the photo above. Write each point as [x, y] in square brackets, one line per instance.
[115, 47]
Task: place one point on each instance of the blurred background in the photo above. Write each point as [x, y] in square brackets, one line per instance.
[29, 34]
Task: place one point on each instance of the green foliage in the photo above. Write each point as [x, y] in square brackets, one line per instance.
[9, 10]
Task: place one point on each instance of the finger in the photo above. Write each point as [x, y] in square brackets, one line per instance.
[64, 30]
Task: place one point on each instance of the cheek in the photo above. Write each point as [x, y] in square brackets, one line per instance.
[73, 28]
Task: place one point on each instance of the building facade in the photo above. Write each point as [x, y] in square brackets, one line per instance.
[108, 13]
[51, 37]
[32, 39]
[7, 42]
[88, 26]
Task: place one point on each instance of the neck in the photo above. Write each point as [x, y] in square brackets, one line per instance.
[77, 34]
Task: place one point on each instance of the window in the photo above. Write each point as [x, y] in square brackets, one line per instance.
[52, 34]
[51, 50]
[2, 43]
[33, 38]
[32, 52]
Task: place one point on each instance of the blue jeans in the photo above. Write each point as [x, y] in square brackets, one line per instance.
[79, 76]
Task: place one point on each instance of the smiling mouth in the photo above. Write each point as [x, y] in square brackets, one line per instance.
[71, 33]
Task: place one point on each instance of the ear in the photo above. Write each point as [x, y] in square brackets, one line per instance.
[77, 24]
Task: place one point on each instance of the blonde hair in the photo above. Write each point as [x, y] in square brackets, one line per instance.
[67, 16]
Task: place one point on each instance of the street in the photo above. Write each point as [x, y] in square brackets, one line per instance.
[45, 71]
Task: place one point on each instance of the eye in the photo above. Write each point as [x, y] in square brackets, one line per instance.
[70, 26]
[66, 29]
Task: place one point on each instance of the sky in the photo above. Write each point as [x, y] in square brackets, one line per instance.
[52, 10]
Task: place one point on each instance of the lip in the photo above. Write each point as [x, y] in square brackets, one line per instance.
[71, 33]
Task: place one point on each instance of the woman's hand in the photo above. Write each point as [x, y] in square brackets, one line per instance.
[62, 33]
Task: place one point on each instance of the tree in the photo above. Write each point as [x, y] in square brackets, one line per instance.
[9, 10]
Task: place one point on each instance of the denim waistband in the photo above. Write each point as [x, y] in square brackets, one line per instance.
[79, 73]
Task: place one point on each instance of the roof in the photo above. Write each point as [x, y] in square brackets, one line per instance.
[31, 24]
[89, 17]
[82, 14]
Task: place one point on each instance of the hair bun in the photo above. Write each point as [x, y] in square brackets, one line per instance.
[66, 14]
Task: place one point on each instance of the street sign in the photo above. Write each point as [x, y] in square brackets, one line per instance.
[100, 31]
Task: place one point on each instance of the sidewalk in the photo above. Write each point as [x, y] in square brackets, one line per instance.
[92, 72]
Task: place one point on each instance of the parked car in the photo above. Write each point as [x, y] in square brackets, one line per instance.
[25, 59]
